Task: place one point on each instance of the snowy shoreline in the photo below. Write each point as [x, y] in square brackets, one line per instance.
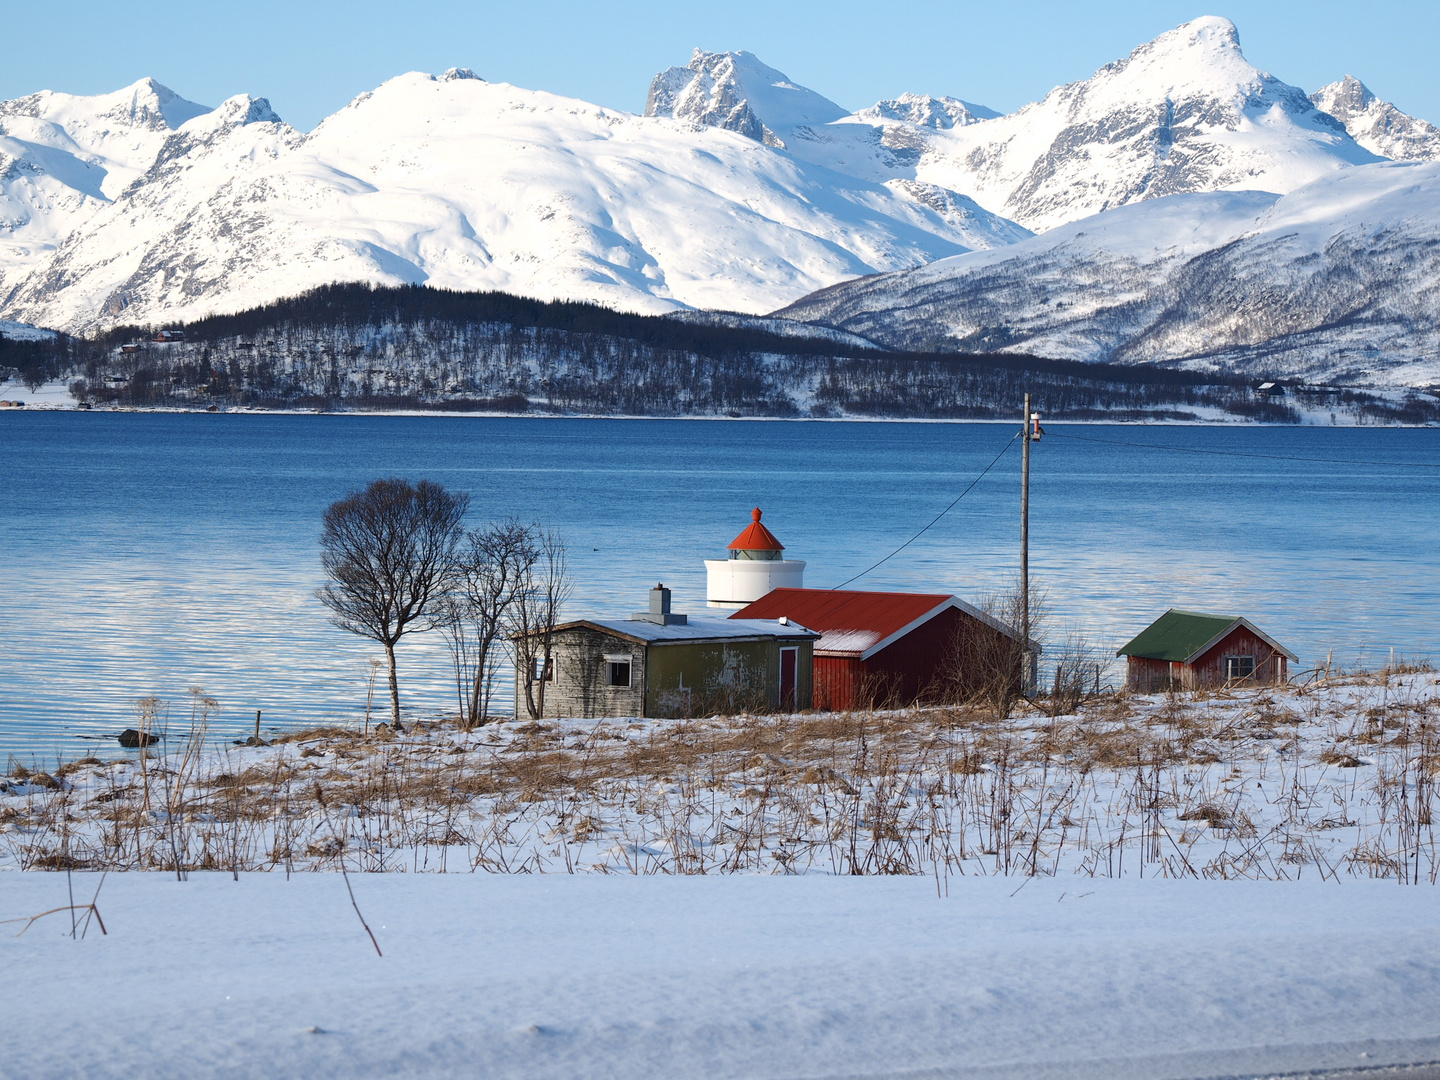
[55, 397]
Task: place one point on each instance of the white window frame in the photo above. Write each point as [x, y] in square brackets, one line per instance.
[542, 669]
[619, 658]
[1232, 662]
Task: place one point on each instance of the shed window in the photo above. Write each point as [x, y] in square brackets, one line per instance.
[619, 672]
[543, 669]
[1239, 667]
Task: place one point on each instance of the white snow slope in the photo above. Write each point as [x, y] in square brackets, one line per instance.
[465, 184]
[17, 331]
[578, 977]
[63, 158]
[1338, 280]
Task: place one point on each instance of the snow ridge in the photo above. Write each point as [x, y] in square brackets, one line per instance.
[467, 184]
[1332, 282]
[922, 110]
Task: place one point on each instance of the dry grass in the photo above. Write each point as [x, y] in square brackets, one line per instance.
[1335, 780]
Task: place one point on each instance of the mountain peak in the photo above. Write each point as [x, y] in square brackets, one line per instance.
[1214, 30]
[1343, 99]
[1209, 35]
[243, 109]
[1353, 90]
[1203, 55]
[1182, 113]
[923, 110]
[148, 102]
[736, 91]
[1378, 125]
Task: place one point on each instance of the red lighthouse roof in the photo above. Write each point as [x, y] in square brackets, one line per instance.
[756, 537]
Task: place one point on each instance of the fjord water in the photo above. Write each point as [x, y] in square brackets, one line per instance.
[144, 554]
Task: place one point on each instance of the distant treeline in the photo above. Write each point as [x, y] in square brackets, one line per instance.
[414, 347]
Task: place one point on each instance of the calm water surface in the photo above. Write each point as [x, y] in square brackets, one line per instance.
[146, 554]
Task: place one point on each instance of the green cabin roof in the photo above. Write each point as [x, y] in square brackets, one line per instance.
[1178, 635]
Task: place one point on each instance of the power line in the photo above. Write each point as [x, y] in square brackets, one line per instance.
[936, 518]
[1144, 446]
[1240, 453]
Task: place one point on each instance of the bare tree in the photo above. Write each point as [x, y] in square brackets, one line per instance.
[991, 667]
[1077, 671]
[534, 615]
[389, 552]
[494, 563]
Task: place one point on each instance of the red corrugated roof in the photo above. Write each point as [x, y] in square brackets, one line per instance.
[834, 610]
[756, 537]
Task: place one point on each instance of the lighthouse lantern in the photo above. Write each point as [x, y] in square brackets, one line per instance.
[756, 565]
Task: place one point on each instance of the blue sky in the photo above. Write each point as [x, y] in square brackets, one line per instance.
[310, 57]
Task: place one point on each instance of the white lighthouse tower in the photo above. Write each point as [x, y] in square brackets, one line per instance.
[756, 565]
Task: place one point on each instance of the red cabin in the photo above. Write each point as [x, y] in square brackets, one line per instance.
[1190, 649]
[892, 648]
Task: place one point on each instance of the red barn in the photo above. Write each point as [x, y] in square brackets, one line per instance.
[1190, 649]
[898, 648]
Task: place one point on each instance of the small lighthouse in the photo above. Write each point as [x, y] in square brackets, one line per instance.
[756, 565]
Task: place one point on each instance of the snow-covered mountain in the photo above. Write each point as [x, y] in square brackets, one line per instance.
[64, 157]
[1184, 113]
[1338, 280]
[882, 143]
[466, 184]
[1377, 125]
[735, 91]
[739, 190]
[924, 110]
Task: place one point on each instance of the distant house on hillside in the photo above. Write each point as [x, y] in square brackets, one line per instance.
[1190, 649]
[898, 648]
[662, 663]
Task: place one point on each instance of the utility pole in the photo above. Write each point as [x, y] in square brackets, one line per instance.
[1025, 545]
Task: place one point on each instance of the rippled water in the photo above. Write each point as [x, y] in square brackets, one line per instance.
[149, 553]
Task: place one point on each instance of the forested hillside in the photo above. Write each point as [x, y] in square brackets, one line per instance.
[357, 347]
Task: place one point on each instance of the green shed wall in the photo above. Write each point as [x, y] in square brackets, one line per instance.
[698, 678]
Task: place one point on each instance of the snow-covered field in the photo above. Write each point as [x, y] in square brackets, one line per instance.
[51, 395]
[603, 976]
[1238, 883]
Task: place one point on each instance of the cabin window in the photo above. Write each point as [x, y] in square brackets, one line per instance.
[543, 669]
[1239, 667]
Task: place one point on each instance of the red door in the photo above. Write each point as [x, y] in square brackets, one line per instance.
[789, 660]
